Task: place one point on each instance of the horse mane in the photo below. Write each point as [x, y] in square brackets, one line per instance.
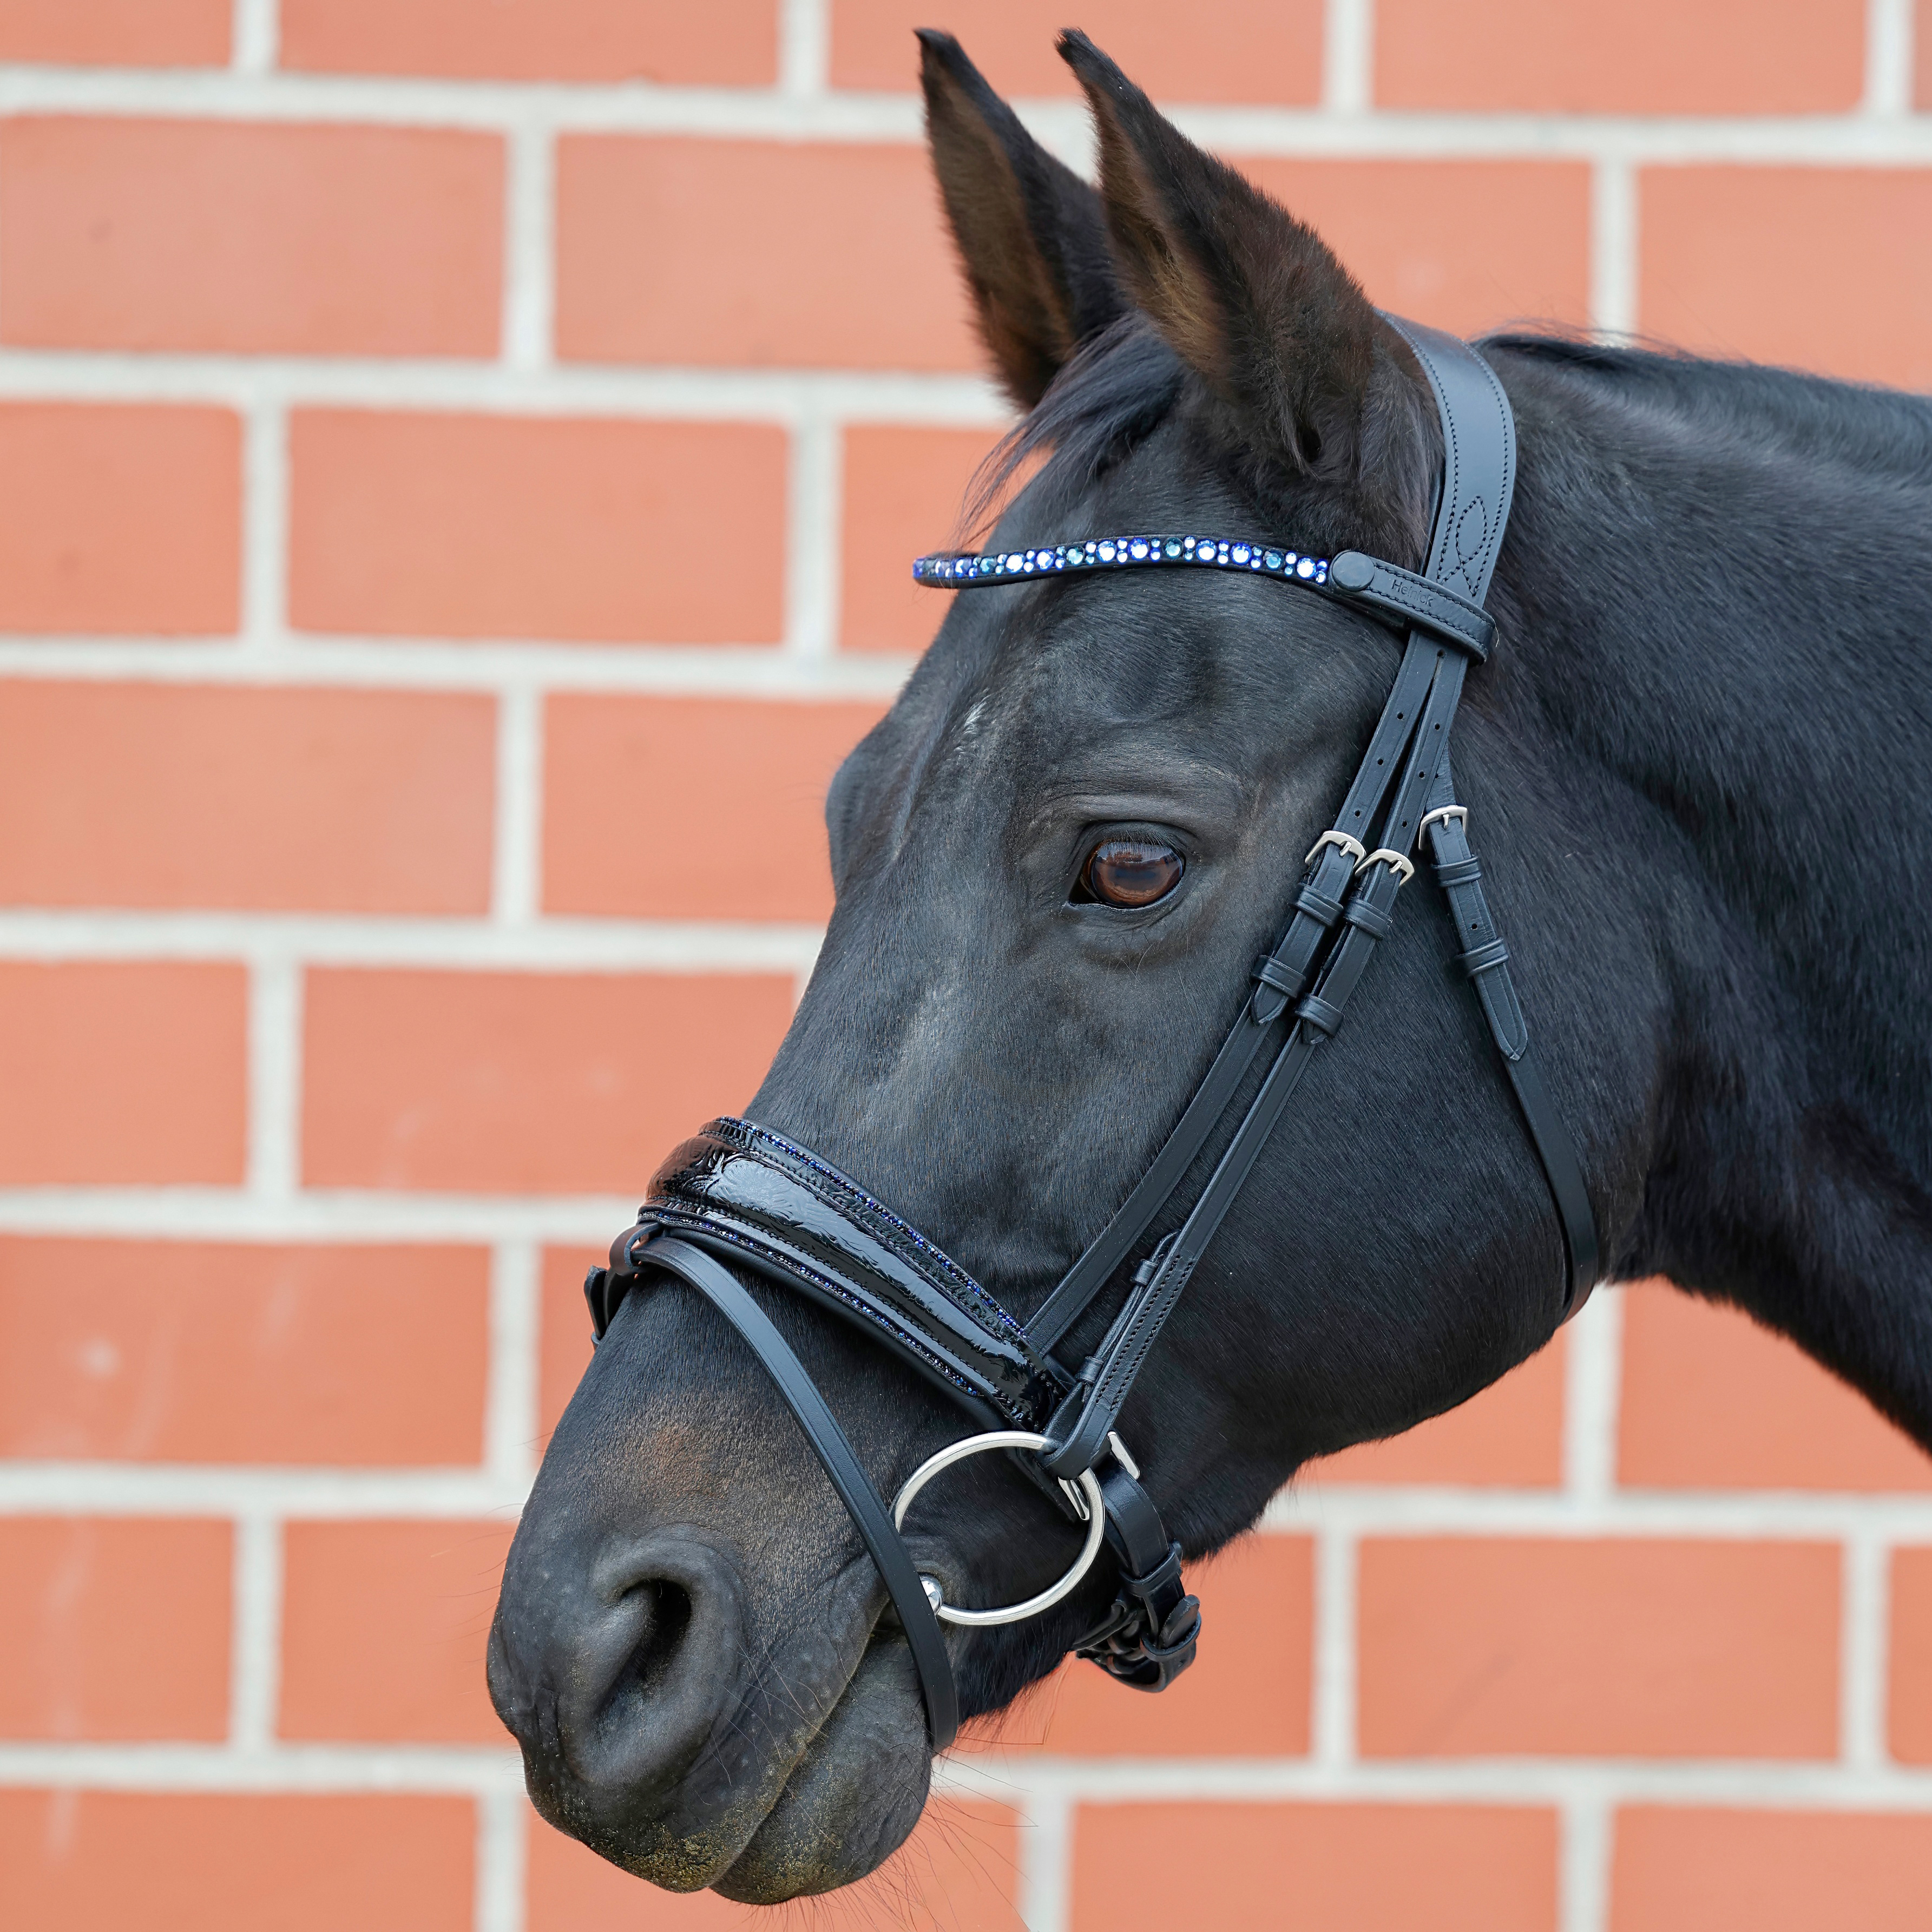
[1860, 425]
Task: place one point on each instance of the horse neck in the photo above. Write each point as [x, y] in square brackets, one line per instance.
[1722, 592]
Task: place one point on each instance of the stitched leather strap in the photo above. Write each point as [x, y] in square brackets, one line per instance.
[1416, 601]
[723, 1291]
[1485, 958]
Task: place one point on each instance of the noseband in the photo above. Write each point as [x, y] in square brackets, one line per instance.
[740, 1194]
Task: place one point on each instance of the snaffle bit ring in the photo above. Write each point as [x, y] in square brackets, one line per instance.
[975, 1445]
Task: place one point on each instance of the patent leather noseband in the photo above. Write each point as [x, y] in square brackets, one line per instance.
[740, 1197]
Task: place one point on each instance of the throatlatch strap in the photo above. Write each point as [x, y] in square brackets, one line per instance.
[722, 1290]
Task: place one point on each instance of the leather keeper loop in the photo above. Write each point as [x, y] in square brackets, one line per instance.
[1318, 905]
[1371, 919]
[1482, 958]
[1320, 1014]
[1458, 872]
[1270, 972]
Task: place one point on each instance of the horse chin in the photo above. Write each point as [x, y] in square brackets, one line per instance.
[854, 1796]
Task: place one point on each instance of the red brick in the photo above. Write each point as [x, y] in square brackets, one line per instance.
[1257, 50]
[194, 1351]
[957, 1872]
[494, 526]
[1247, 1695]
[384, 1626]
[111, 1861]
[1466, 245]
[670, 840]
[564, 1352]
[1712, 1401]
[1717, 267]
[724, 44]
[521, 1081]
[216, 235]
[116, 33]
[1910, 1657]
[1484, 1646]
[117, 1072]
[113, 1629]
[905, 495]
[118, 517]
[1689, 1870]
[1651, 57]
[759, 254]
[1343, 1868]
[1510, 1435]
[171, 795]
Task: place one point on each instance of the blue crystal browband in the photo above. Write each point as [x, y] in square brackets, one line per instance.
[949, 570]
[1390, 593]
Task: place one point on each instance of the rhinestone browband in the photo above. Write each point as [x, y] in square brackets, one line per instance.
[953, 569]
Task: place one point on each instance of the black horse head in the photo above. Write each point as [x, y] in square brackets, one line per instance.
[1056, 860]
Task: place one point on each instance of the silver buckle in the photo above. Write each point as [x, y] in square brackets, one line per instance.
[1351, 848]
[1405, 867]
[1445, 813]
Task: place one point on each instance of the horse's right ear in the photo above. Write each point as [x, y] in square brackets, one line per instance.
[1032, 238]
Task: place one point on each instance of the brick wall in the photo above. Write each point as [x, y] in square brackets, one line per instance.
[436, 438]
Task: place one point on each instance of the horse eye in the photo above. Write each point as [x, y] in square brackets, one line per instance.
[1131, 872]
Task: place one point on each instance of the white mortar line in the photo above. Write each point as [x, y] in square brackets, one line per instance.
[315, 1215]
[1615, 267]
[813, 485]
[255, 37]
[1583, 1864]
[416, 664]
[511, 1424]
[417, 1768]
[1542, 1782]
[1771, 1515]
[255, 1651]
[1863, 1648]
[265, 521]
[156, 1489]
[516, 882]
[805, 48]
[668, 946]
[1347, 55]
[1046, 1900]
[274, 1075]
[762, 114]
[642, 392]
[1890, 30]
[1592, 1394]
[529, 290]
[1332, 1726]
[502, 1818]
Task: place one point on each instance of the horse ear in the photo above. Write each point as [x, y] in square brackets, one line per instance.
[1247, 296]
[1032, 239]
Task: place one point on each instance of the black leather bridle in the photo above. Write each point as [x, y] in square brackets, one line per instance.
[741, 1194]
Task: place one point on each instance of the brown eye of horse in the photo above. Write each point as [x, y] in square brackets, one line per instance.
[1131, 872]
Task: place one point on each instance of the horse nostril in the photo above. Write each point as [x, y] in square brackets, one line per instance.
[668, 1615]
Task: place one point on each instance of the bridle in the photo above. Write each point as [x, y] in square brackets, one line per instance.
[739, 1193]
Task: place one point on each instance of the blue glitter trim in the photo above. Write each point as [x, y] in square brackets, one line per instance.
[672, 1217]
[966, 570]
[956, 1276]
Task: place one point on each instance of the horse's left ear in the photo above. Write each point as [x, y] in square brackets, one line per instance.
[1247, 296]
